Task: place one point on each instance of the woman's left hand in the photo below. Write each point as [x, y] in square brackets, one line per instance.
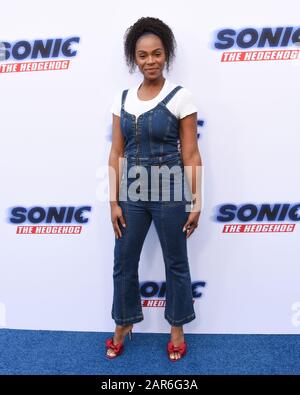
[191, 223]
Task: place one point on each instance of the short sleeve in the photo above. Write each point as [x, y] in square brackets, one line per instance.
[116, 104]
[186, 103]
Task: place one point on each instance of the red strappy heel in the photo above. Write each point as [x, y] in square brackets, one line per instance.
[172, 349]
[117, 348]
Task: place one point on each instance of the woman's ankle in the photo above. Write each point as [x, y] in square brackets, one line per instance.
[123, 328]
[121, 331]
[177, 333]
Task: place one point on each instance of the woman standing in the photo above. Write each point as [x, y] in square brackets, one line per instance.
[154, 126]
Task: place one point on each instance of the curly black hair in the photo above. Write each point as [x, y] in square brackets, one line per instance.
[148, 25]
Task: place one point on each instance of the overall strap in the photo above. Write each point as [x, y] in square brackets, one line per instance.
[124, 94]
[171, 94]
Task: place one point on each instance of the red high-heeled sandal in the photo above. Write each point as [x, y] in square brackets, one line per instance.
[117, 348]
[172, 349]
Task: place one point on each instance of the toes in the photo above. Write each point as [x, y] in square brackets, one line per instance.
[110, 352]
[175, 355]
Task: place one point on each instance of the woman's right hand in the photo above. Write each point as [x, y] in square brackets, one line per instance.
[117, 214]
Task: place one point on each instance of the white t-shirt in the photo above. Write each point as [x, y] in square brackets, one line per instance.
[181, 104]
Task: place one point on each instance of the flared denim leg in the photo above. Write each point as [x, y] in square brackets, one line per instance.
[126, 307]
[169, 219]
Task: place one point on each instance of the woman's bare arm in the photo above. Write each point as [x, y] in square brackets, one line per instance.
[115, 159]
[115, 164]
[191, 157]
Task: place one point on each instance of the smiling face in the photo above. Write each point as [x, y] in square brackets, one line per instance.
[150, 56]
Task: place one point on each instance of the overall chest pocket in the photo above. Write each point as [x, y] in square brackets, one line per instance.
[126, 124]
[160, 126]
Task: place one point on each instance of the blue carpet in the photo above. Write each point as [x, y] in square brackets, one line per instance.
[58, 352]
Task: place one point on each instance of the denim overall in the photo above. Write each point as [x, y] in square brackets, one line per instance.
[151, 140]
